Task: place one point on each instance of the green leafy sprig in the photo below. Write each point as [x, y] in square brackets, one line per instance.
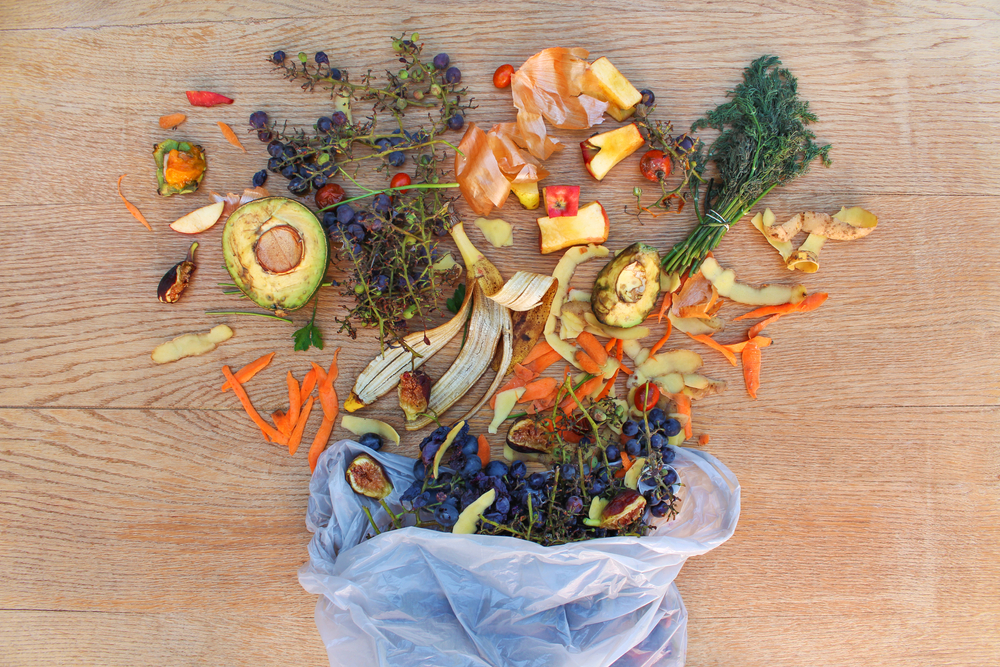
[309, 335]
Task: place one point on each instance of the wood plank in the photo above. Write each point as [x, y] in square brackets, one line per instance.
[875, 85]
[46, 14]
[82, 337]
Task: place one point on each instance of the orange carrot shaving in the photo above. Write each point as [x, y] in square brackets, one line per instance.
[587, 363]
[266, 429]
[620, 473]
[524, 373]
[320, 442]
[751, 369]
[761, 341]
[684, 407]
[660, 343]
[609, 385]
[538, 389]
[300, 425]
[811, 302]
[584, 390]
[541, 347]
[131, 207]
[664, 306]
[512, 383]
[320, 373]
[172, 120]
[484, 450]
[707, 340]
[327, 394]
[592, 347]
[280, 422]
[611, 343]
[620, 350]
[541, 363]
[760, 326]
[626, 461]
[703, 439]
[294, 399]
[230, 136]
[251, 369]
[308, 384]
[571, 436]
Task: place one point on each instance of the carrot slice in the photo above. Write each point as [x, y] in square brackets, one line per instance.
[294, 399]
[683, 402]
[707, 340]
[751, 369]
[320, 373]
[308, 384]
[761, 341]
[266, 429]
[760, 326]
[588, 364]
[484, 450]
[136, 213]
[251, 369]
[703, 439]
[320, 442]
[280, 423]
[541, 347]
[172, 120]
[592, 347]
[667, 300]
[538, 389]
[334, 372]
[611, 343]
[660, 343]
[585, 389]
[230, 136]
[300, 425]
[620, 350]
[327, 394]
[543, 362]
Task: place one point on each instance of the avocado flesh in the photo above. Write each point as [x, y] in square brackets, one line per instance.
[160, 153]
[626, 288]
[293, 277]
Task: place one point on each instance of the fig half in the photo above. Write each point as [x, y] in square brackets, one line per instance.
[177, 278]
[368, 478]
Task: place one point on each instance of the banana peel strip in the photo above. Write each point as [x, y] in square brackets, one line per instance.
[382, 372]
[724, 280]
[489, 321]
[523, 291]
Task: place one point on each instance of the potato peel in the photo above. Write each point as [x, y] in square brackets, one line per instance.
[724, 280]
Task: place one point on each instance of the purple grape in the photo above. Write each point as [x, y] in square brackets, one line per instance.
[453, 75]
[574, 504]
[441, 61]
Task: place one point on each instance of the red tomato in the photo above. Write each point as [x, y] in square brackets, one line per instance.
[501, 77]
[646, 396]
[654, 165]
[400, 180]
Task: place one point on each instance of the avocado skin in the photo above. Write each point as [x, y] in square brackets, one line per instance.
[608, 307]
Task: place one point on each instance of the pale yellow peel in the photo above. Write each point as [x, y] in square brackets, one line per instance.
[362, 425]
[724, 280]
[191, 345]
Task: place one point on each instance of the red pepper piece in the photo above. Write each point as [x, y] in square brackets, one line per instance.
[204, 98]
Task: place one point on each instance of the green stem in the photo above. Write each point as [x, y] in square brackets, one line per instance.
[240, 312]
[371, 521]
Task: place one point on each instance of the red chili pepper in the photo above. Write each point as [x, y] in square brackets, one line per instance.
[646, 396]
[204, 98]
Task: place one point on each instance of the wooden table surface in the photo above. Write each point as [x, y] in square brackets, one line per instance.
[144, 522]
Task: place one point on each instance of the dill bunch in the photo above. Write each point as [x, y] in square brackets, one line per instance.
[763, 143]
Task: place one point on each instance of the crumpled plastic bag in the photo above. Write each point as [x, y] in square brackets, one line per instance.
[414, 597]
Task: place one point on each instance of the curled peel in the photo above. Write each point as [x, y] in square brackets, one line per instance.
[523, 291]
[490, 163]
[724, 280]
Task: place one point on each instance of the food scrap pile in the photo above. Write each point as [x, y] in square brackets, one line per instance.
[593, 402]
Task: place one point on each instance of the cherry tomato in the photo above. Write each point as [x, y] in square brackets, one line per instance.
[501, 77]
[646, 396]
[400, 180]
[329, 194]
[655, 166]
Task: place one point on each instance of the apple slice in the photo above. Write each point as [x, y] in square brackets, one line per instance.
[198, 220]
[562, 200]
[527, 194]
[616, 88]
[589, 225]
[618, 113]
[603, 151]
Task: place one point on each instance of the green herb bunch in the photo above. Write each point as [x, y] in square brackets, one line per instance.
[763, 143]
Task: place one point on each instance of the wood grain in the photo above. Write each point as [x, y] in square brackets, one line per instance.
[144, 522]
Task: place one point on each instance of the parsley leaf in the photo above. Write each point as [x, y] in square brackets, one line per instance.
[454, 304]
[309, 335]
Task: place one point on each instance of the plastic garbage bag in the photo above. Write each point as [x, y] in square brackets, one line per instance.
[414, 597]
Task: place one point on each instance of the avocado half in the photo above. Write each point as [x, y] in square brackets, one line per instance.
[161, 153]
[276, 251]
[626, 288]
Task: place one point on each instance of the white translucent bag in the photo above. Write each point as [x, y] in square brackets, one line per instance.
[415, 597]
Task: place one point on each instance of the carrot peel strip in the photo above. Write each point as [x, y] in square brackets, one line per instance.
[136, 213]
[300, 425]
[707, 340]
[484, 450]
[543, 362]
[308, 384]
[230, 136]
[592, 347]
[667, 301]
[268, 430]
[588, 363]
[760, 326]
[541, 348]
[251, 369]
[538, 389]
[320, 442]
[327, 395]
[611, 343]
[609, 385]
[683, 402]
[660, 343]
[751, 369]
[294, 399]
